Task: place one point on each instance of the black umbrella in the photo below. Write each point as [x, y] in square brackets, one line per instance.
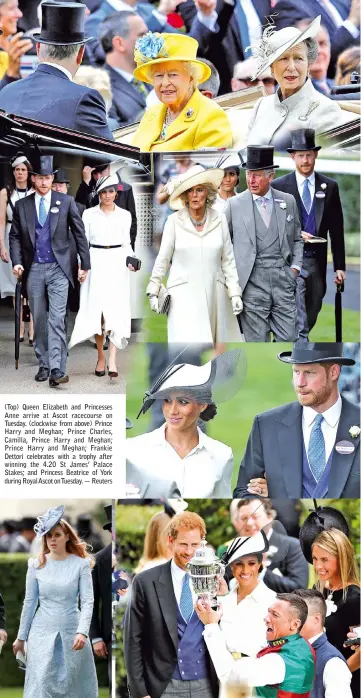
[338, 311]
[18, 313]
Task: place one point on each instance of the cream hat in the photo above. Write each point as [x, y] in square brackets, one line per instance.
[195, 175]
[275, 43]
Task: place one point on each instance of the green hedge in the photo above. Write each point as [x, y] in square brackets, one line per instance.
[13, 569]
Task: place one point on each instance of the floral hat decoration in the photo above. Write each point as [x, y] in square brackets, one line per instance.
[154, 48]
[50, 519]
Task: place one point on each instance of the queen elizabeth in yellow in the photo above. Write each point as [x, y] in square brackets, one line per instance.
[185, 119]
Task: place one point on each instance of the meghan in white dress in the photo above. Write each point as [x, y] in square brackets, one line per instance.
[105, 294]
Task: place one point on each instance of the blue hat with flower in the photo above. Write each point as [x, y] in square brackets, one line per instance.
[154, 48]
[50, 519]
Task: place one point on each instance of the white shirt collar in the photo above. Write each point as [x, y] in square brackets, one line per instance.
[314, 638]
[331, 416]
[300, 179]
[61, 68]
[47, 196]
[266, 196]
[203, 441]
[176, 571]
[124, 73]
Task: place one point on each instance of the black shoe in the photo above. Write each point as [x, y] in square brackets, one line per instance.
[42, 374]
[57, 377]
[31, 342]
[99, 373]
[106, 343]
[113, 374]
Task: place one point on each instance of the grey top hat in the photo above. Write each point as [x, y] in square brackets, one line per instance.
[316, 353]
[44, 166]
[62, 24]
[303, 139]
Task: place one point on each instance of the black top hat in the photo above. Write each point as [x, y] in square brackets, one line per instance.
[321, 519]
[259, 157]
[108, 512]
[316, 353]
[303, 139]
[60, 177]
[62, 24]
[43, 166]
[27, 523]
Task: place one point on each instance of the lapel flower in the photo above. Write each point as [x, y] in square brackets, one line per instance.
[323, 185]
[354, 431]
[283, 205]
[58, 203]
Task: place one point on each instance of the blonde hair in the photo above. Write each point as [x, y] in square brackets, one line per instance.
[192, 69]
[96, 79]
[74, 546]
[156, 538]
[188, 520]
[336, 543]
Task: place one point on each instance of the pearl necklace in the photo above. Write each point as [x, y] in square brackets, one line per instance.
[198, 224]
[168, 119]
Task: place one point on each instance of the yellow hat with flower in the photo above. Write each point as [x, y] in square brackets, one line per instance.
[154, 48]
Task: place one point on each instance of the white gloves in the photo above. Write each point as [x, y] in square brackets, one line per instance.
[237, 305]
[154, 305]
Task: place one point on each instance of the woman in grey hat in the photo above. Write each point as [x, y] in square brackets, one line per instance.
[289, 52]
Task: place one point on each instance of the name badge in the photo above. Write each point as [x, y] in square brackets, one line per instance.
[54, 210]
[320, 195]
[344, 447]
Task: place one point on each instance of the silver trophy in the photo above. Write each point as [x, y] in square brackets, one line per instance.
[205, 570]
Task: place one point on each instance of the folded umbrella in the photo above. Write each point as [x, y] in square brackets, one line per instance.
[338, 311]
[18, 314]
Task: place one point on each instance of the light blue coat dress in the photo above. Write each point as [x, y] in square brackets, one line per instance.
[50, 620]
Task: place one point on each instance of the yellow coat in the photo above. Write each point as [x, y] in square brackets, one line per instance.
[4, 63]
[201, 124]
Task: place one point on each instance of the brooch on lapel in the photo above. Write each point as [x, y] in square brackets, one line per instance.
[354, 432]
[283, 205]
[189, 113]
[320, 195]
[289, 218]
[310, 109]
[54, 209]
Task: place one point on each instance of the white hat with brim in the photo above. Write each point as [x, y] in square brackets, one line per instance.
[19, 161]
[106, 182]
[193, 177]
[246, 545]
[275, 43]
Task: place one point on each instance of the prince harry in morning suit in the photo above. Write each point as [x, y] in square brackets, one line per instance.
[41, 253]
[164, 650]
[310, 448]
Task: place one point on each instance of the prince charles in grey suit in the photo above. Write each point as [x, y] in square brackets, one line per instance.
[268, 249]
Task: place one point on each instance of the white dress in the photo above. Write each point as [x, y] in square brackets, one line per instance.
[241, 630]
[7, 278]
[201, 281]
[106, 290]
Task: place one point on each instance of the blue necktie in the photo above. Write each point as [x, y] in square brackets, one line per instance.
[316, 449]
[306, 196]
[42, 211]
[186, 600]
[243, 28]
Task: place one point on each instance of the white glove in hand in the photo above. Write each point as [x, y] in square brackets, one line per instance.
[237, 305]
[154, 305]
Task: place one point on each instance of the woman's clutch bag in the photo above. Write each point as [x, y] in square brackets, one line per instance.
[20, 658]
[163, 301]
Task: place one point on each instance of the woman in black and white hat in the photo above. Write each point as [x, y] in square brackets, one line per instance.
[242, 630]
[179, 455]
[19, 188]
[205, 295]
[105, 295]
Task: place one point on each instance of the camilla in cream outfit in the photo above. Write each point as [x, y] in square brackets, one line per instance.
[296, 104]
[202, 280]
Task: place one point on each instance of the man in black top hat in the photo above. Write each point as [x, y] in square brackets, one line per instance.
[100, 631]
[308, 448]
[320, 211]
[40, 250]
[49, 94]
[88, 196]
[268, 251]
